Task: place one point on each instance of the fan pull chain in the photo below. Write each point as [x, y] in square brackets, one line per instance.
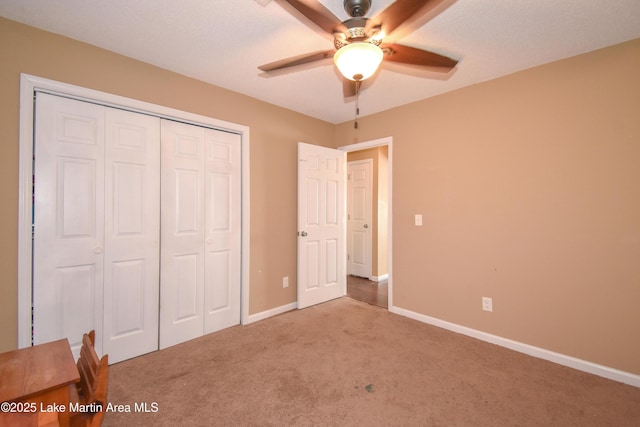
[355, 123]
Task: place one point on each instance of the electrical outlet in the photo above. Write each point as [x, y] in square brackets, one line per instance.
[418, 219]
[285, 282]
[487, 304]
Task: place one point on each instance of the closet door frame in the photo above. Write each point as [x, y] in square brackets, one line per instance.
[29, 85]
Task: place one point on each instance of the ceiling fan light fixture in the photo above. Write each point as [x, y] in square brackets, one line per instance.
[359, 60]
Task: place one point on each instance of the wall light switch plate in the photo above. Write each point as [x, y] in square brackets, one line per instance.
[418, 219]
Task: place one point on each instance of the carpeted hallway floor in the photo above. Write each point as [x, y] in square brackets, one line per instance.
[347, 363]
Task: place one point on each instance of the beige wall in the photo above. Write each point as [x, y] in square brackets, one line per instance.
[530, 190]
[274, 135]
[528, 185]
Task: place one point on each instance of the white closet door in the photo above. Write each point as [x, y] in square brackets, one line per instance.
[201, 232]
[69, 220]
[96, 232]
[182, 228]
[98, 259]
[132, 234]
[223, 193]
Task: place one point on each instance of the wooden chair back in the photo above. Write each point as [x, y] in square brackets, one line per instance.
[92, 388]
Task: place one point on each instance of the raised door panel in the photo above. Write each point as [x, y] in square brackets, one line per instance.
[311, 242]
[186, 297]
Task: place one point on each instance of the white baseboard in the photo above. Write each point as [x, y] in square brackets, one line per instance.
[379, 278]
[561, 359]
[273, 312]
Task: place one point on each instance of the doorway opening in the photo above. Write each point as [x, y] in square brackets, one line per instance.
[369, 251]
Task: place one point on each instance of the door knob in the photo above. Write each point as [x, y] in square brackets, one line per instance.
[97, 250]
[366, 226]
[304, 234]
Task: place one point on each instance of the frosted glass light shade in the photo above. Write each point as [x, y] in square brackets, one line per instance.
[359, 60]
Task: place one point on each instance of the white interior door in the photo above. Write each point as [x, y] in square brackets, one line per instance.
[68, 239]
[132, 234]
[223, 228]
[96, 226]
[201, 232]
[321, 224]
[359, 218]
[182, 228]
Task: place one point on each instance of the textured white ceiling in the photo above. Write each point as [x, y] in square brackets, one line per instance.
[224, 41]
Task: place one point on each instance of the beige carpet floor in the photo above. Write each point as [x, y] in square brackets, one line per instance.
[347, 363]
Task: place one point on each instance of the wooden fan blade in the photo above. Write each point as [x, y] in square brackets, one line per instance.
[297, 60]
[414, 56]
[318, 14]
[400, 12]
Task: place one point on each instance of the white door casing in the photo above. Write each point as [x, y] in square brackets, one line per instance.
[359, 218]
[30, 86]
[388, 142]
[321, 224]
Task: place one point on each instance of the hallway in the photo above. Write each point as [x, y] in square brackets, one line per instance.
[361, 289]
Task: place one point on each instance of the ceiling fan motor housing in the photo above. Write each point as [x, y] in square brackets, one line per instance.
[357, 8]
[356, 31]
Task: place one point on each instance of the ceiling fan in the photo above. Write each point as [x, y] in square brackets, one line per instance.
[359, 45]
